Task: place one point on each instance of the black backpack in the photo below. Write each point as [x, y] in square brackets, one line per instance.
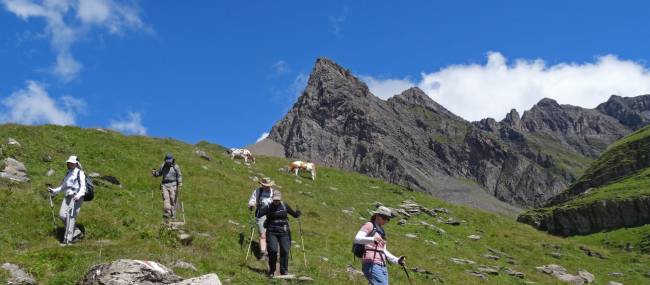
[360, 249]
[90, 187]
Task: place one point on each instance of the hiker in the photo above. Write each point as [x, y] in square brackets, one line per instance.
[171, 185]
[278, 232]
[74, 187]
[260, 199]
[373, 237]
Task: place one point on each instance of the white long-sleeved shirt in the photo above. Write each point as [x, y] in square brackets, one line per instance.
[74, 183]
[362, 238]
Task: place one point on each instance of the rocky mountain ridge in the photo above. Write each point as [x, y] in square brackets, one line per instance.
[413, 141]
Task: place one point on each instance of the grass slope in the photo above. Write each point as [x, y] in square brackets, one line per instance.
[126, 222]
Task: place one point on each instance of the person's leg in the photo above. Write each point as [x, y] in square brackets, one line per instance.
[77, 234]
[375, 274]
[273, 252]
[262, 230]
[285, 246]
[70, 219]
[172, 200]
[164, 189]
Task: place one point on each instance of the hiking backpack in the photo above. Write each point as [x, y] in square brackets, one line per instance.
[360, 249]
[90, 187]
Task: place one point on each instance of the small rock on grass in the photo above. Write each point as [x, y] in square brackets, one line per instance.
[184, 265]
[474, 237]
[18, 275]
[614, 283]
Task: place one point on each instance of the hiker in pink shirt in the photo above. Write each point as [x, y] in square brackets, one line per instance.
[373, 238]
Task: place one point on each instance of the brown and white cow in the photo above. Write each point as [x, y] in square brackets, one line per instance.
[241, 153]
[298, 165]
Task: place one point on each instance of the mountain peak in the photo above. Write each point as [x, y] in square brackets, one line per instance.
[547, 102]
[328, 75]
[415, 96]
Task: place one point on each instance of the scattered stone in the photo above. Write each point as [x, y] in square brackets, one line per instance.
[305, 279]
[126, 271]
[401, 222]
[498, 252]
[410, 236]
[348, 211]
[325, 259]
[514, 273]
[334, 188]
[94, 175]
[352, 271]
[477, 274]
[377, 204]
[17, 275]
[431, 242]
[110, 179]
[614, 283]
[452, 222]
[592, 253]
[551, 269]
[50, 172]
[588, 277]
[282, 169]
[308, 194]
[474, 237]
[616, 274]
[46, 158]
[13, 142]
[461, 261]
[488, 270]
[493, 257]
[441, 210]
[208, 279]
[203, 154]
[556, 254]
[561, 274]
[14, 170]
[402, 212]
[205, 167]
[374, 187]
[298, 181]
[184, 265]
[234, 223]
[185, 239]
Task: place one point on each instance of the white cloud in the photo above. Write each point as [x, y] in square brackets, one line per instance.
[336, 22]
[263, 136]
[297, 86]
[281, 67]
[68, 20]
[386, 88]
[477, 91]
[132, 125]
[33, 105]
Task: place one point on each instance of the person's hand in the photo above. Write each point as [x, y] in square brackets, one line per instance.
[401, 260]
[378, 239]
[298, 214]
[250, 207]
[50, 190]
[77, 197]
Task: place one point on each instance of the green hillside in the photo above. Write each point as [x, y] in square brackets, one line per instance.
[126, 222]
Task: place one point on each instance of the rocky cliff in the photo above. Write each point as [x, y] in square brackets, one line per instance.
[413, 141]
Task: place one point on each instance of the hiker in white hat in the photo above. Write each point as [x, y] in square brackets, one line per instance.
[372, 250]
[74, 187]
[260, 200]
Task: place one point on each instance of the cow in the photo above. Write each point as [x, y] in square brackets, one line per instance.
[298, 165]
[241, 153]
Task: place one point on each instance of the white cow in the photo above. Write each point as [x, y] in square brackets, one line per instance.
[241, 153]
[298, 165]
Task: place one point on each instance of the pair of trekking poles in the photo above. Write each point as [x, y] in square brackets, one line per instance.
[254, 224]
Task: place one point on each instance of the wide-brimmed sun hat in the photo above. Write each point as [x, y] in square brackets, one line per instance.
[267, 182]
[383, 211]
[73, 159]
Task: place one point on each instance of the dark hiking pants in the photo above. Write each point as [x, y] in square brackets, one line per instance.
[284, 241]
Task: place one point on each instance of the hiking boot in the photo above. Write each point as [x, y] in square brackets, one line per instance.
[78, 237]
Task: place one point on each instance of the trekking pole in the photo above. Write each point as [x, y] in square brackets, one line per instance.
[407, 274]
[250, 241]
[49, 195]
[302, 241]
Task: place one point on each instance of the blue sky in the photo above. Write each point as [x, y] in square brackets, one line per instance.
[226, 72]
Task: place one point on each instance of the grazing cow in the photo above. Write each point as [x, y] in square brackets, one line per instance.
[303, 166]
[241, 153]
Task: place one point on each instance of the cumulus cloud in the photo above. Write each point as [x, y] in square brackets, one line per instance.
[491, 89]
[336, 22]
[132, 125]
[68, 20]
[32, 105]
[386, 88]
[263, 136]
[281, 67]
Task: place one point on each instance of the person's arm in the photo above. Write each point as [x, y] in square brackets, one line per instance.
[253, 200]
[179, 176]
[158, 172]
[295, 214]
[81, 176]
[362, 235]
[58, 189]
[393, 259]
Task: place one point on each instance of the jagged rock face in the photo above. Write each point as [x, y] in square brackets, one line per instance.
[633, 112]
[586, 131]
[413, 141]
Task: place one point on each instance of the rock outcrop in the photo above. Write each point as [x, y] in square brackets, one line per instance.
[18, 276]
[413, 141]
[126, 271]
[14, 170]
